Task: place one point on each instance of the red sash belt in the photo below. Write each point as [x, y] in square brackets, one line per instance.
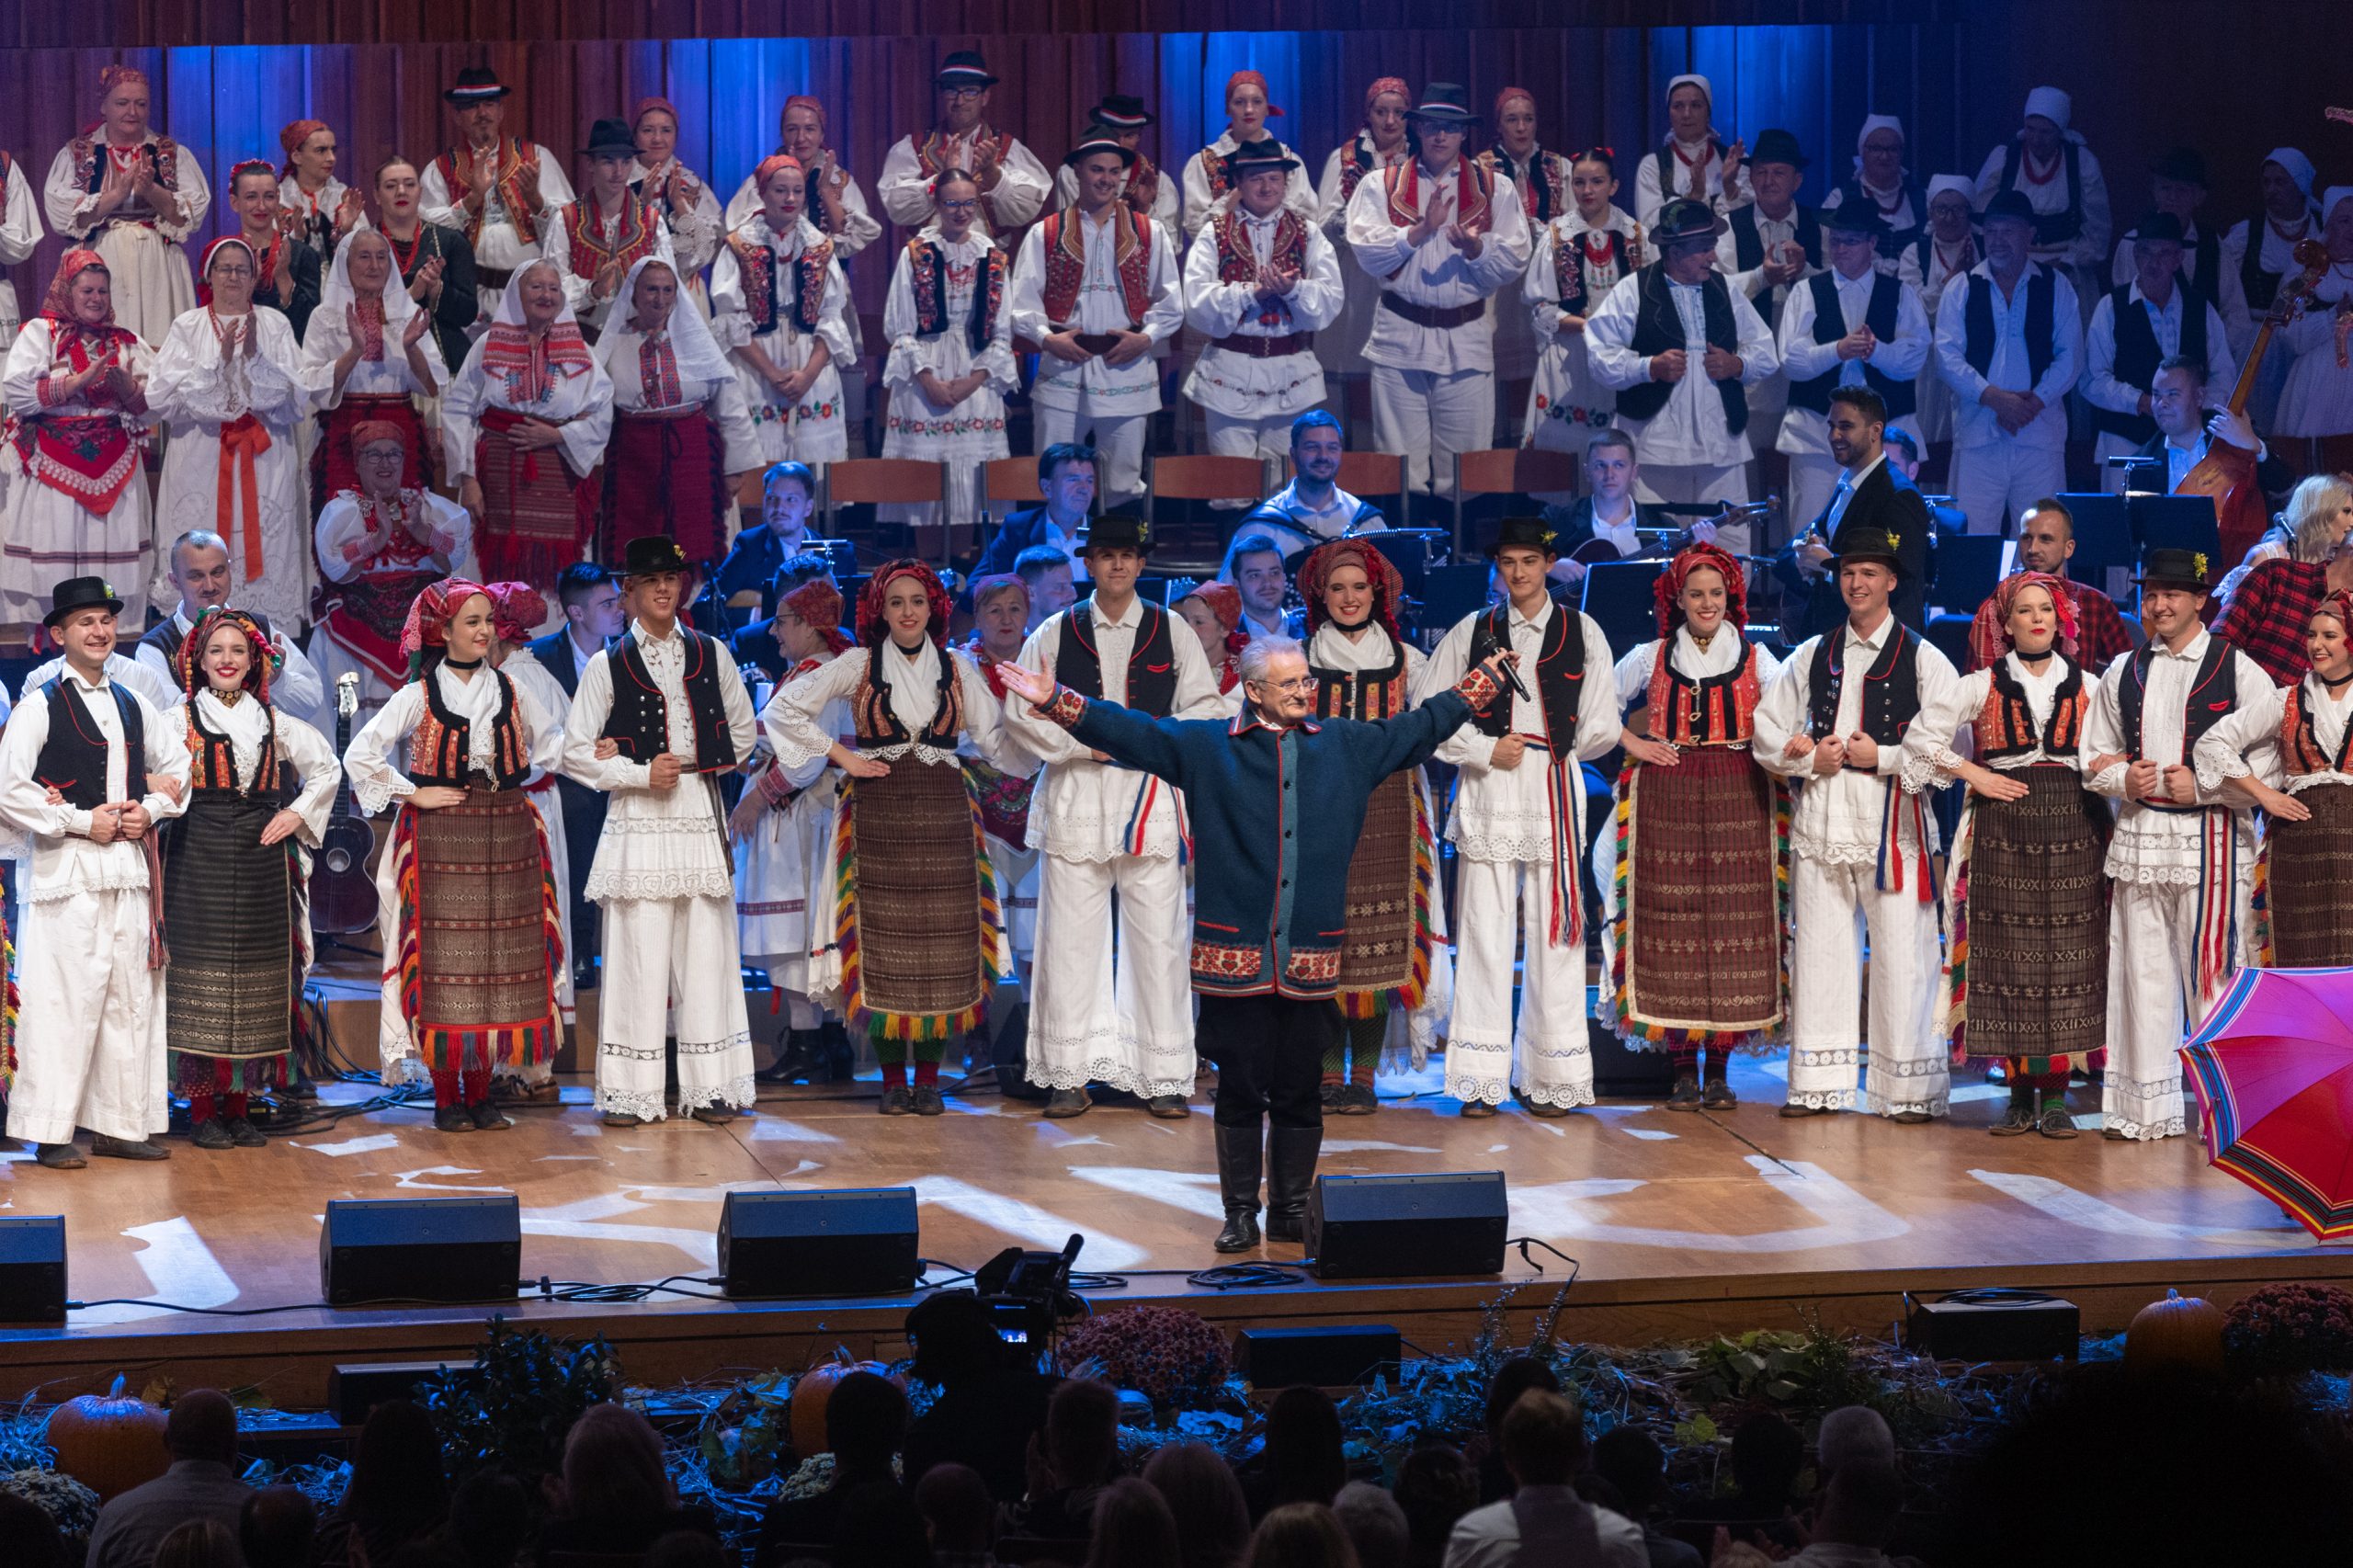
[242, 439]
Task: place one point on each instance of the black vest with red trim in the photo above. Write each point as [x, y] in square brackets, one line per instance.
[440, 750]
[212, 760]
[1568, 269]
[878, 726]
[640, 721]
[2300, 749]
[2006, 725]
[1658, 327]
[2138, 354]
[73, 760]
[2213, 692]
[1152, 667]
[1891, 687]
[1830, 325]
[1560, 675]
[1977, 325]
[2051, 228]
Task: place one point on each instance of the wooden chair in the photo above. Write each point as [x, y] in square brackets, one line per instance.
[1007, 483]
[1508, 471]
[1194, 480]
[876, 481]
[1378, 477]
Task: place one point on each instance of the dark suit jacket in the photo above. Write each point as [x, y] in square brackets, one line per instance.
[755, 645]
[584, 809]
[1016, 533]
[1573, 525]
[1885, 500]
[306, 290]
[751, 562]
[2276, 477]
[457, 306]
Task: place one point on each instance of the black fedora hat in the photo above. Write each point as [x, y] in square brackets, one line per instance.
[1524, 533]
[1777, 146]
[651, 554]
[1448, 102]
[1854, 218]
[1091, 145]
[2011, 204]
[1121, 111]
[1684, 219]
[1858, 539]
[2160, 227]
[610, 138]
[476, 84]
[1256, 157]
[963, 68]
[2167, 567]
[81, 593]
[1117, 530]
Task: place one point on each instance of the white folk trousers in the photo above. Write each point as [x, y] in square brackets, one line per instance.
[1831, 906]
[90, 1038]
[2000, 473]
[671, 967]
[1546, 1054]
[2152, 960]
[1425, 419]
[1111, 1001]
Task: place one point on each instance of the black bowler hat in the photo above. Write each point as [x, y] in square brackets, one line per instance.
[1777, 147]
[1256, 157]
[1093, 144]
[652, 553]
[1858, 539]
[2169, 568]
[2009, 203]
[1684, 219]
[964, 69]
[476, 84]
[1117, 530]
[2160, 227]
[1855, 218]
[1524, 533]
[1121, 111]
[81, 593]
[610, 138]
[1448, 103]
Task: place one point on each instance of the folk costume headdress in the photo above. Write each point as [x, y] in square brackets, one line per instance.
[187, 663]
[290, 141]
[57, 307]
[428, 631]
[1666, 592]
[526, 361]
[1224, 602]
[686, 336]
[204, 259]
[1315, 580]
[1989, 638]
[818, 605]
[516, 611]
[383, 316]
[1258, 78]
[872, 627]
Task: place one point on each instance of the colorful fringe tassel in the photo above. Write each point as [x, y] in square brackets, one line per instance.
[476, 1047]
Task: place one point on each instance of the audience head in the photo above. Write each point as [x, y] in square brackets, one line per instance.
[1066, 477]
[1083, 1432]
[1515, 1378]
[878, 1528]
[202, 1425]
[275, 1527]
[1133, 1528]
[687, 1549]
[1304, 1446]
[1254, 563]
[788, 502]
[489, 1518]
[1862, 1504]
[1849, 1435]
[1543, 1438]
[396, 1465]
[1436, 1486]
[197, 1543]
[29, 1538]
[955, 1502]
[612, 1466]
[1302, 1534]
[1051, 588]
[591, 599]
[2318, 511]
[1317, 444]
[1212, 1517]
[1374, 1525]
[866, 1419]
[954, 1338]
[1630, 1461]
[1767, 1455]
[1902, 450]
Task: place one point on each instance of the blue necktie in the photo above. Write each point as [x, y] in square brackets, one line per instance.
[1845, 492]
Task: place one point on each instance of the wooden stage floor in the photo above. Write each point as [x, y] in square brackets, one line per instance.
[1680, 1224]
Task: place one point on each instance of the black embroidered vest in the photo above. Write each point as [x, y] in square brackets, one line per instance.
[2138, 352]
[640, 721]
[1891, 687]
[1977, 322]
[879, 727]
[1748, 251]
[440, 752]
[1369, 694]
[2213, 692]
[1830, 325]
[73, 760]
[1658, 327]
[1152, 667]
[1560, 675]
[2006, 726]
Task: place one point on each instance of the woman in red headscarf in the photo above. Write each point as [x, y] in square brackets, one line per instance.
[77, 504]
[134, 195]
[324, 208]
[1378, 143]
[233, 875]
[1702, 839]
[378, 546]
[1248, 107]
[228, 392]
[780, 307]
[1213, 610]
[516, 611]
[1394, 962]
[2026, 962]
[913, 909]
[696, 223]
[472, 921]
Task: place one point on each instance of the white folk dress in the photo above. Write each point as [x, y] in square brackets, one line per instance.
[142, 247]
[972, 432]
[2317, 398]
[66, 520]
[1262, 396]
[230, 461]
[20, 230]
[813, 430]
[780, 866]
[531, 676]
[1567, 402]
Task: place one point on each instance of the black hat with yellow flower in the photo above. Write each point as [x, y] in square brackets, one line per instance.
[1525, 533]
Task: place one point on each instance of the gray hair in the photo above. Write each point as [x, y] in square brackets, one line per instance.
[1375, 1525]
[196, 539]
[1850, 1434]
[1264, 650]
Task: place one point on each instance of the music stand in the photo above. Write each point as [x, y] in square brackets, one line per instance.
[1619, 595]
[1967, 567]
[2112, 532]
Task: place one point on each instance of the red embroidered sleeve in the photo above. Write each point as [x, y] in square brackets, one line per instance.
[1064, 708]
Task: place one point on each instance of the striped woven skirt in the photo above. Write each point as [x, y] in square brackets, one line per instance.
[2311, 912]
[229, 910]
[480, 937]
[1385, 956]
[2027, 981]
[916, 914]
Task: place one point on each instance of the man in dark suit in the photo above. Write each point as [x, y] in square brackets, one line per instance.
[1870, 489]
[593, 615]
[757, 644]
[1066, 477]
[788, 522]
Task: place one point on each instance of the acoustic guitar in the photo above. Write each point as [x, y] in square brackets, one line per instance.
[342, 893]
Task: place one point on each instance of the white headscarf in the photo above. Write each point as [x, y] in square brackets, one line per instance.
[1876, 122]
[1938, 184]
[697, 352]
[2298, 168]
[2331, 197]
[338, 291]
[508, 352]
[329, 332]
[1698, 81]
[2052, 104]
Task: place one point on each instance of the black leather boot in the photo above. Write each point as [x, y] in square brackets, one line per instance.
[1240, 1162]
[1291, 1171]
[833, 1045]
[802, 1063]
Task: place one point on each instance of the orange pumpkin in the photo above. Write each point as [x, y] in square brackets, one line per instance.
[108, 1442]
[2180, 1330]
[813, 1388]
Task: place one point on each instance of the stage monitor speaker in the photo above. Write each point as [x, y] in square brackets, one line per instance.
[356, 1388]
[1622, 1073]
[431, 1249]
[854, 1242]
[32, 1268]
[1993, 1325]
[1395, 1227]
[1336, 1355]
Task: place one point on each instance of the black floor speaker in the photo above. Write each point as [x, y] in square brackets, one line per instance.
[1391, 1227]
[429, 1249]
[1622, 1073]
[1325, 1356]
[854, 1242]
[32, 1268]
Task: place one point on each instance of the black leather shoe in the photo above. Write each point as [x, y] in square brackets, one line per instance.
[1291, 1171]
[458, 1118]
[212, 1133]
[129, 1148]
[59, 1157]
[1476, 1108]
[1068, 1103]
[1685, 1095]
[1241, 1233]
[1241, 1161]
[802, 1061]
[898, 1100]
[1358, 1100]
[929, 1101]
[833, 1044]
[244, 1134]
[1168, 1107]
[713, 1115]
[487, 1117]
[1717, 1095]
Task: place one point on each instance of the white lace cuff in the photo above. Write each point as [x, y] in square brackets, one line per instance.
[375, 794]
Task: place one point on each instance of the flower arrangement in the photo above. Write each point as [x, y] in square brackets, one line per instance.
[2289, 1327]
[71, 1506]
[1166, 1354]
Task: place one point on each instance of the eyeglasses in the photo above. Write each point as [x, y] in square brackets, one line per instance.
[960, 95]
[1298, 684]
[972, 206]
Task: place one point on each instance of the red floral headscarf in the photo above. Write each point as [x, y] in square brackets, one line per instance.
[1990, 636]
[1316, 577]
[1387, 84]
[113, 76]
[57, 308]
[368, 432]
[204, 261]
[292, 137]
[516, 611]
[2338, 604]
[799, 100]
[646, 105]
[770, 166]
[1507, 95]
[429, 616]
[818, 605]
[1667, 592]
[188, 665]
[872, 627]
[1259, 77]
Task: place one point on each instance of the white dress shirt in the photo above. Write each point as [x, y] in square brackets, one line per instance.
[2152, 845]
[1690, 431]
[1435, 274]
[1102, 306]
[2100, 386]
[65, 861]
[2010, 367]
[1901, 357]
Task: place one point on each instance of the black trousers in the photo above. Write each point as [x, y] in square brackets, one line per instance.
[1269, 1056]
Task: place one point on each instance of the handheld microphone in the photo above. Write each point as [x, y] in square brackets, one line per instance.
[1519, 689]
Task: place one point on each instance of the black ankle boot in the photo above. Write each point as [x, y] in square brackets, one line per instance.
[1291, 1171]
[802, 1061]
[833, 1045]
[1240, 1163]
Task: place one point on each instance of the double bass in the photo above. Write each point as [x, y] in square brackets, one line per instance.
[2227, 473]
